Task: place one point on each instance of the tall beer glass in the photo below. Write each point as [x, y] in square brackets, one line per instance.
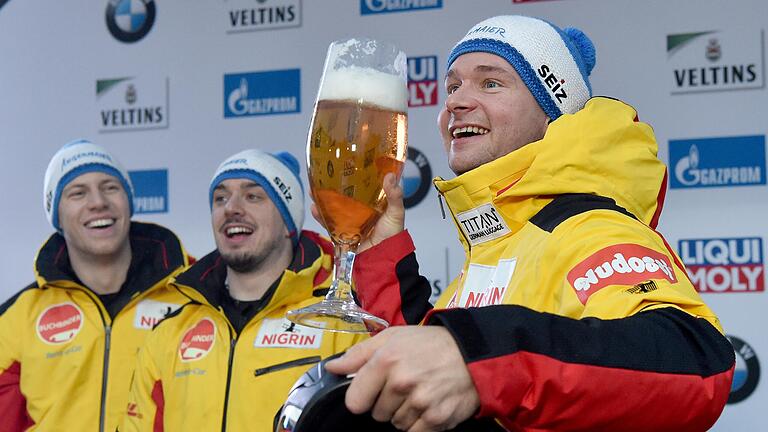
[358, 135]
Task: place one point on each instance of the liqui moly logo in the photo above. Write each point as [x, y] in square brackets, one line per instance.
[724, 265]
[622, 264]
[198, 340]
[422, 81]
[59, 324]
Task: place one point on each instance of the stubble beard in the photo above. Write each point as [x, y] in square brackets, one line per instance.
[244, 262]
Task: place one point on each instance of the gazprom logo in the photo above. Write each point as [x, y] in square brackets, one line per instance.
[262, 93]
[370, 7]
[718, 265]
[717, 162]
[150, 190]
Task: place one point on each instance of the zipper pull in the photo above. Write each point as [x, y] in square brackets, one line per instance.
[440, 200]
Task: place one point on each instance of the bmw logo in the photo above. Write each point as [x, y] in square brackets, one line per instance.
[747, 373]
[130, 20]
[416, 179]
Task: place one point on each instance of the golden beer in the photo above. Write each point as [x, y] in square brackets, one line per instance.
[350, 149]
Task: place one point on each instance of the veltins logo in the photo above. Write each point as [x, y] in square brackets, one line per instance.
[245, 16]
[621, 264]
[724, 265]
[131, 103]
[416, 179]
[130, 20]
[717, 162]
[198, 340]
[747, 373]
[422, 81]
[369, 7]
[59, 324]
[262, 93]
[716, 60]
[150, 191]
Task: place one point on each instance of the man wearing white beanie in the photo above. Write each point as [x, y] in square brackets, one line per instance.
[228, 358]
[68, 339]
[571, 312]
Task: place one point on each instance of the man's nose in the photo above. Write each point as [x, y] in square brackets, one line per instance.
[460, 99]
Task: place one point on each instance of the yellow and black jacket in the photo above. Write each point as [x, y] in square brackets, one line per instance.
[571, 311]
[66, 359]
[197, 372]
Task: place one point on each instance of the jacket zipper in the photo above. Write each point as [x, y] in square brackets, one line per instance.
[233, 342]
[440, 200]
[453, 217]
[105, 373]
[286, 365]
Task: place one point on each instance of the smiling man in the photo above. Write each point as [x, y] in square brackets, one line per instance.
[228, 358]
[68, 340]
[571, 312]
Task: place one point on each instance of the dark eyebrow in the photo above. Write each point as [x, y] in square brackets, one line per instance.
[109, 179]
[250, 185]
[494, 69]
[482, 68]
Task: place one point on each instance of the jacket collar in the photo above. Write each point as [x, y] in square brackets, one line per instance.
[601, 150]
[204, 282]
[156, 253]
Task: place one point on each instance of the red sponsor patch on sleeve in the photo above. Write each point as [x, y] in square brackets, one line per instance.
[622, 264]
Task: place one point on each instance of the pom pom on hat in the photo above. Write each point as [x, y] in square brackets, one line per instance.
[553, 63]
[584, 45]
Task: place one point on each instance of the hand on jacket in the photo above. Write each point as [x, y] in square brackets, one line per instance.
[414, 377]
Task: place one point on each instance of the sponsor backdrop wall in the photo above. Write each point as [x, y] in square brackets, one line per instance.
[174, 87]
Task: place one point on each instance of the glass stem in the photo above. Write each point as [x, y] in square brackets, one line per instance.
[343, 259]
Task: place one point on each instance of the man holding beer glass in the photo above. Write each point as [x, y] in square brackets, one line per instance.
[571, 311]
[226, 360]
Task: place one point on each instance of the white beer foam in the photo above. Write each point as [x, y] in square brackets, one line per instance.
[366, 84]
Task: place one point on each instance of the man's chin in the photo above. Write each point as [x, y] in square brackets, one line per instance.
[459, 166]
[241, 262]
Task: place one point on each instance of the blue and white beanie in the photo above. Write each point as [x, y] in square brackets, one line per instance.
[553, 63]
[277, 173]
[71, 161]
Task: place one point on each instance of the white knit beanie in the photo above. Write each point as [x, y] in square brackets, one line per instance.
[277, 173]
[73, 160]
[553, 63]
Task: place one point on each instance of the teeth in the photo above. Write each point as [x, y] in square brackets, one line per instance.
[469, 129]
[99, 223]
[238, 230]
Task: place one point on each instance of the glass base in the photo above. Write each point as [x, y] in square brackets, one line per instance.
[337, 316]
